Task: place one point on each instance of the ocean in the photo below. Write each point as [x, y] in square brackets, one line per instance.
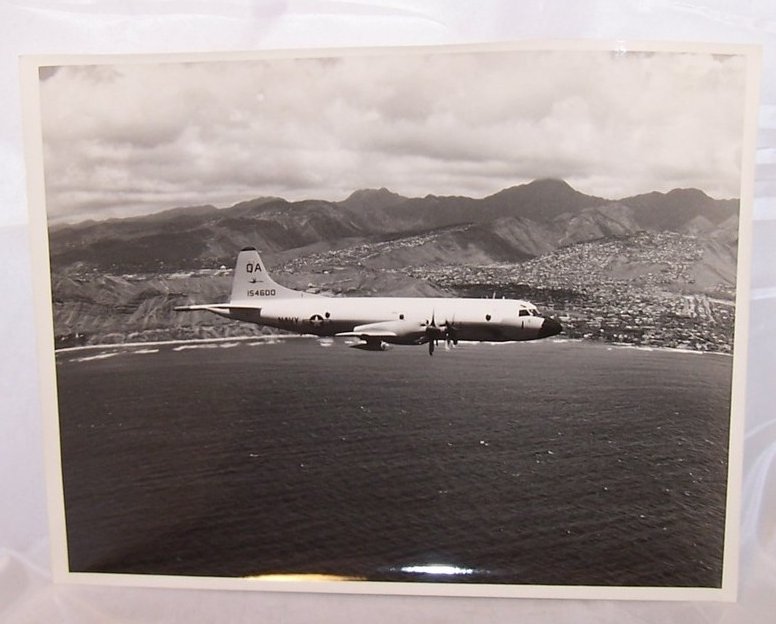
[552, 462]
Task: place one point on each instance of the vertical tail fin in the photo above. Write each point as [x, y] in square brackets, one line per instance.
[251, 282]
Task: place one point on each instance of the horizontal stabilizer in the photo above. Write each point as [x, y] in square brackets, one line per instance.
[249, 312]
[209, 307]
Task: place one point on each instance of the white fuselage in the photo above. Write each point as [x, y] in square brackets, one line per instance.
[257, 298]
[473, 319]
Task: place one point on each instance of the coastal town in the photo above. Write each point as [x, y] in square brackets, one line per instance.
[644, 289]
[637, 290]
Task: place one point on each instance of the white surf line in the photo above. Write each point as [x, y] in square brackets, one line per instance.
[161, 343]
[89, 358]
[276, 338]
[621, 345]
[209, 345]
[608, 345]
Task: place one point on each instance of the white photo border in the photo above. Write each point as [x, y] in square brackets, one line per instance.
[45, 340]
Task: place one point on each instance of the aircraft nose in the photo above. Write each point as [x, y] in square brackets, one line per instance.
[550, 327]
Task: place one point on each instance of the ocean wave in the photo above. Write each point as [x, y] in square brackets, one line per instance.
[186, 347]
[666, 349]
[89, 358]
[158, 343]
[269, 340]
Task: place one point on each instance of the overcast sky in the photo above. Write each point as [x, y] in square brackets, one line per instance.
[128, 139]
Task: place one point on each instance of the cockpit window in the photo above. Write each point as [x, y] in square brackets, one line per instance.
[523, 313]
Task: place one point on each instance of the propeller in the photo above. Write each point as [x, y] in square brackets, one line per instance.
[432, 334]
[451, 333]
[448, 331]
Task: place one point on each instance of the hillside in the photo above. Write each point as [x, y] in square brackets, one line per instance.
[516, 223]
[119, 280]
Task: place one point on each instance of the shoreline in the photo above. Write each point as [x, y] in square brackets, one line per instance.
[161, 343]
[283, 337]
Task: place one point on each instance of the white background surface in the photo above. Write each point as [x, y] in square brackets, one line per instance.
[27, 593]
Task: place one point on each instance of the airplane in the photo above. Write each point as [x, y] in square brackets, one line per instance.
[376, 321]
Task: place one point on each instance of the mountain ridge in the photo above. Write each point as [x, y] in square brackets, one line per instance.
[535, 218]
[612, 268]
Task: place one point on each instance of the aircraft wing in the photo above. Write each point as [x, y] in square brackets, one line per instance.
[387, 329]
[379, 333]
[372, 330]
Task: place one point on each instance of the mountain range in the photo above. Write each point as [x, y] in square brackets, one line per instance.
[513, 225]
[119, 280]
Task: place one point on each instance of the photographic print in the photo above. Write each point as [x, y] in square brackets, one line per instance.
[460, 320]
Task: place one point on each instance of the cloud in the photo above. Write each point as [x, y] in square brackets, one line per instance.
[132, 138]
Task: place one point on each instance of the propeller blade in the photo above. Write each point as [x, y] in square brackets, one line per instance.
[433, 334]
[451, 334]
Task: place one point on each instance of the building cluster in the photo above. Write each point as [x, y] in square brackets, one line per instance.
[357, 255]
[646, 259]
[636, 290]
[652, 318]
